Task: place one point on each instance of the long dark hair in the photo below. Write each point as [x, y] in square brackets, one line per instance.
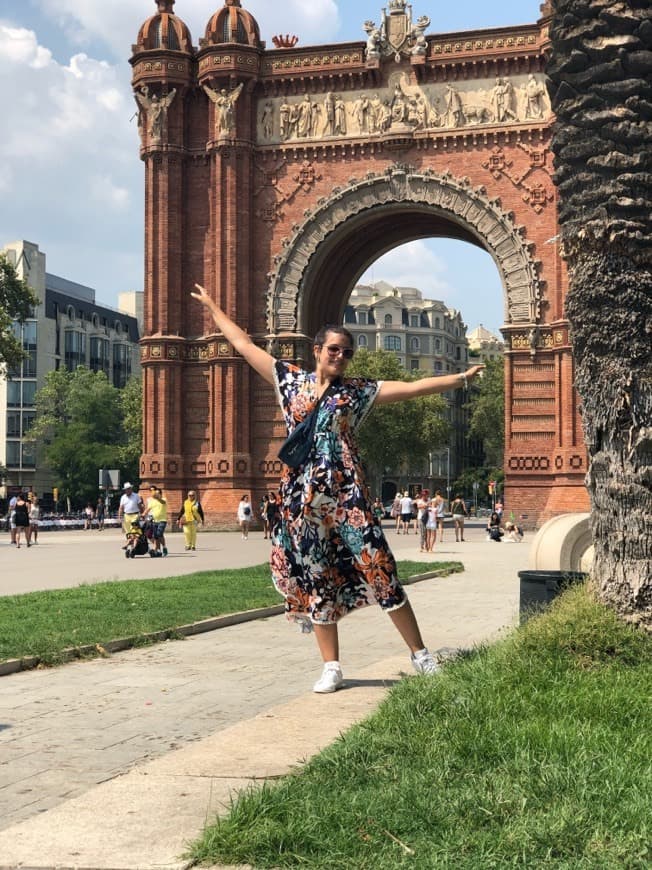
[320, 338]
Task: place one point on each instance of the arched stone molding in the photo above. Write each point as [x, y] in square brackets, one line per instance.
[445, 197]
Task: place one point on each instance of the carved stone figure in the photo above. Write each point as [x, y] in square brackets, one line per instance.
[384, 121]
[374, 40]
[534, 92]
[267, 120]
[361, 109]
[375, 111]
[420, 47]
[329, 114]
[284, 118]
[304, 117]
[454, 116]
[502, 101]
[400, 107]
[156, 109]
[340, 117]
[224, 108]
[509, 102]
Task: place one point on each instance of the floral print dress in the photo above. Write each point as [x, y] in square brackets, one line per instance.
[329, 553]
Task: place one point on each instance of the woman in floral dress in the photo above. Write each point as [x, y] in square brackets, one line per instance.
[329, 553]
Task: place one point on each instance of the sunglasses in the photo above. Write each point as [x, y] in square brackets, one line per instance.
[334, 350]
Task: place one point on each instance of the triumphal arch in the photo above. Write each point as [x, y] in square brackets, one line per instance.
[276, 175]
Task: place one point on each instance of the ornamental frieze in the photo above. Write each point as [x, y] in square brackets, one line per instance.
[403, 107]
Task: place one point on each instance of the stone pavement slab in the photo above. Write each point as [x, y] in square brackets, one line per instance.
[77, 741]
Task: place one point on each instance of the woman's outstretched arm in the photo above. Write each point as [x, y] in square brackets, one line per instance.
[398, 391]
[257, 358]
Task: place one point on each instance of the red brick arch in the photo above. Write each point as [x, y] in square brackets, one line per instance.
[278, 218]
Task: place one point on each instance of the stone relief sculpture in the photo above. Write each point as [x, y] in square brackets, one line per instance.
[397, 35]
[329, 115]
[224, 102]
[267, 119]
[402, 106]
[156, 110]
[420, 47]
[534, 94]
[374, 40]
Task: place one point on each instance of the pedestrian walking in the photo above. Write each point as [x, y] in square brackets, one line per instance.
[21, 519]
[459, 512]
[189, 517]
[329, 554]
[34, 518]
[129, 509]
[440, 507]
[244, 516]
[100, 513]
[157, 511]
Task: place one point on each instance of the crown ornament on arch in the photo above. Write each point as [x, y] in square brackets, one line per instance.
[397, 6]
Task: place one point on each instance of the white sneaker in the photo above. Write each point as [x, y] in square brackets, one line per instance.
[424, 663]
[331, 679]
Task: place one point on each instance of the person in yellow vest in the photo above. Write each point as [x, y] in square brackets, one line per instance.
[157, 509]
[190, 515]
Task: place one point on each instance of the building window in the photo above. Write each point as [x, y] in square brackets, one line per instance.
[437, 323]
[458, 354]
[13, 454]
[388, 320]
[71, 313]
[74, 349]
[437, 366]
[29, 454]
[414, 365]
[438, 344]
[362, 341]
[29, 392]
[13, 424]
[415, 344]
[13, 394]
[392, 342]
[121, 365]
[362, 318]
[415, 320]
[99, 358]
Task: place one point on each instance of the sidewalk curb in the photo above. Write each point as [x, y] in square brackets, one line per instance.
[14, 666]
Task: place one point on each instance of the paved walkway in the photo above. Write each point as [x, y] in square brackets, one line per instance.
[115, 764]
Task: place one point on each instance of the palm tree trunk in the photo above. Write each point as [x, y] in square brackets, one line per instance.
[601, 86]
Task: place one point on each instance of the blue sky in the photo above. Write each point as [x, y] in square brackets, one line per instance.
[70, 176]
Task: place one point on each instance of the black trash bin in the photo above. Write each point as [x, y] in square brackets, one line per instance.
[538, 588]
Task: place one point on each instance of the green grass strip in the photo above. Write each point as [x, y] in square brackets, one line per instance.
[44, 624]
[534, 752]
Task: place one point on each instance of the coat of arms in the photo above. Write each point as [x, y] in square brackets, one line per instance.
[397, 34]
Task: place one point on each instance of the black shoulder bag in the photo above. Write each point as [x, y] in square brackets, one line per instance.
[298, 445]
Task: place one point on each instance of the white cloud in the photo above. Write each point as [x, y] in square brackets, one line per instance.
[117, 23]
[68, 155]
[411, 265]
[19, 46]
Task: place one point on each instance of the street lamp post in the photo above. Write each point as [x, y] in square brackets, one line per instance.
[448, 474]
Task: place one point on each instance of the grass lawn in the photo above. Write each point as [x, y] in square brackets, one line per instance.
[534, 752]
[43, 624]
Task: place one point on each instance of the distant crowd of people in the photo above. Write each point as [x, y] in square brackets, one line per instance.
[424, 515]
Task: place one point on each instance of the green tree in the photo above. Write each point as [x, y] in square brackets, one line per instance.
[487, 412]
[131, 408]
[393, 434]
[79, 424]
[16, 302]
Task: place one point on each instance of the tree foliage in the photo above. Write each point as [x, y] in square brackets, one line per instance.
[84, 423]
[487, 412]
[397, 433]
[16, 302]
